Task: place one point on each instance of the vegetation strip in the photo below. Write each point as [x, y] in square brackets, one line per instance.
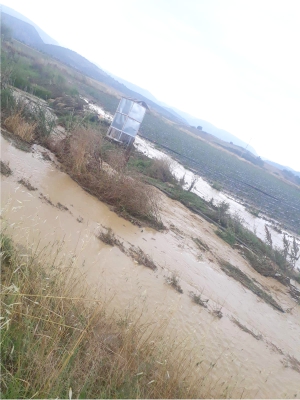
[241, 277]
[245, 329]
[136, 253]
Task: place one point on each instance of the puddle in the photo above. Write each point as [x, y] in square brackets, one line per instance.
[251, 364]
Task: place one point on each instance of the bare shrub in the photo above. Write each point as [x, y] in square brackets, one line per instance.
[117, 160]
[173, 281]
[81, 153]
[142, 258]
[217, 311]
[197, 298]
[107, 236]
[16, 124]
[161, 169]
[84, 148]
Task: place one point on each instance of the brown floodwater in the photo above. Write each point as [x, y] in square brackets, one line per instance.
[252, 368]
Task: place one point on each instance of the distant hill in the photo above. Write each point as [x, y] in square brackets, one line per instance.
[283, 167]
[213, 130]
[43, 35]
[149, 96]
[134, 87]
[22, 31]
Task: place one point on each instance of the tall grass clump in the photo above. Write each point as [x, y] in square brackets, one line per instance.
[57, 338]
[28, 120]
[16, 124]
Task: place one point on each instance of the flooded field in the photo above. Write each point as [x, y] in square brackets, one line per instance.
[205, 191]
[257, 364]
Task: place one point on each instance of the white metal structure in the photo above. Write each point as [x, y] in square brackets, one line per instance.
[127, 120]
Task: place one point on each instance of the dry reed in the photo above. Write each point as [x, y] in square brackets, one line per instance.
[16, 124]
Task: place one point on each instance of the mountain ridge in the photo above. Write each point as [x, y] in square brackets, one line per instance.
[43, 35]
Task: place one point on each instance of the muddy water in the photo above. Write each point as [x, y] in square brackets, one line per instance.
[251, 367]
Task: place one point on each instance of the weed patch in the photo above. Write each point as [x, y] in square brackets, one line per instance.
[107, 236]
[173, 281]
[197, 298]
[5, 169]
[61, 207]
[200, 244]
[216, 311]
[27, 184]
[46, 200]
[143, 259]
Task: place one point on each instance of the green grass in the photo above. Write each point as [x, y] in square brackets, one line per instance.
[227, 235]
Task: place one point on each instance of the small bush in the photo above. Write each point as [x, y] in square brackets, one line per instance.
[161, 169]
[217, 186]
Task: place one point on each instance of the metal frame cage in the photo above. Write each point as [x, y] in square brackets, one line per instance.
[127, 120]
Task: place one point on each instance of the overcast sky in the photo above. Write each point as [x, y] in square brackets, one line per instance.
[234, 63]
